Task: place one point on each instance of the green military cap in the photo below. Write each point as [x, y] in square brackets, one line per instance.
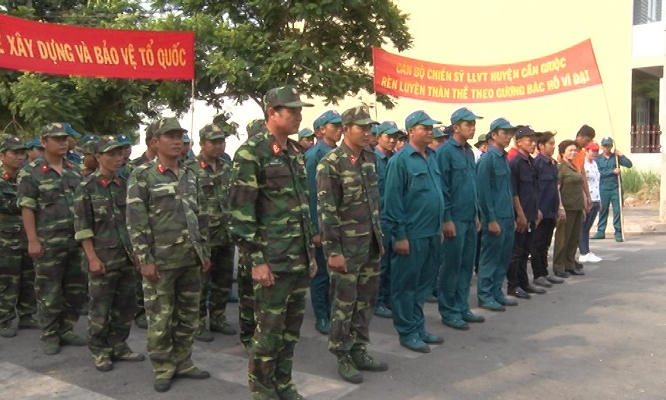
[107, 143]
[150, 129]
[54, 129]
[255, 127]
[359, 115]
[87, 143]
[305, 133]
[483, 138]
[165, 125]
[12, 143]
[211, 132]
[284, 96]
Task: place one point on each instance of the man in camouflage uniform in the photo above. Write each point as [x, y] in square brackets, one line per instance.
[168, 227]
[46, 197]
[17, 273]
[87, 145]
[348, 205]
[99, 221]
[213, 174]
[269, 221]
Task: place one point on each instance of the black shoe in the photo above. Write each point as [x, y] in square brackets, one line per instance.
[564, 274]
[578, 265]
[575, 272]
[533, 289]
[519, 293]
[162, 385]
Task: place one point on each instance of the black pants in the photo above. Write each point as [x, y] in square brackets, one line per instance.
[522, 246]
[543, 234]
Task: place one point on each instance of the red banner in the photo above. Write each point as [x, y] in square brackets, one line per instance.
[112, 53]
[570, 69]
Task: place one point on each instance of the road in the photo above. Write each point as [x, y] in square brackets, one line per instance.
[599, 336]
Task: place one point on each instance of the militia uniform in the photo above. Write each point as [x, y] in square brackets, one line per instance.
[168, 228]
[348, 208]
[99, 207]
[214, 182]
[60, 284]
[269, 221]
[17, 272]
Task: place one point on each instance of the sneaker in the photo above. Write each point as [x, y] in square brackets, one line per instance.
[71, 339]
[28, 322]
[364, 361]
[51, 348]
[6, 330]
[202, 334]
[142, 323]
[555, 279]
[543, 282]
[593, 258]
[383, 312]
[583, 258]
[348, 370]
[222, 327]
[193, 373]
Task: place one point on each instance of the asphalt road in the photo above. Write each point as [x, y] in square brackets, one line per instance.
[599, 336]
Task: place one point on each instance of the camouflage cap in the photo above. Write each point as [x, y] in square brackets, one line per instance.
[12, 143]
[165, 125]
[255, 127]
[87, 143]
[359, 115]
[106, 143]
[211, 132]
[285, 96]
[54, 129]
[35, 143]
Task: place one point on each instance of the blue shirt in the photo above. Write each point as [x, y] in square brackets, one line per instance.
[456, 163]
[549, 199]
[413, 195]
[493, 180]
[608, 180]
[525, 185]
[312, 158]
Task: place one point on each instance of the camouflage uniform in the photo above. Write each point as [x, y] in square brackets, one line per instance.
[60, 283]
[215, 186]
[99, 207]
[168, 227]
[269, 220]
[17, 272]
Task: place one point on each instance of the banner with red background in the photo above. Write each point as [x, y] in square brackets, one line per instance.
[112, 53]
[570, 69]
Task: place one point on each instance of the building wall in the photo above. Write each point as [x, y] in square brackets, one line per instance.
[487, 32]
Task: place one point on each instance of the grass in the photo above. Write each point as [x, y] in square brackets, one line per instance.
[633, 180]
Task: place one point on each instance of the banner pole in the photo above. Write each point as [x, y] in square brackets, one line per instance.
[192, 114]
[612, 130]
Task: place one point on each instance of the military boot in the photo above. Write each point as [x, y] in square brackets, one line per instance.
[6, 330]
[222, 327]
[347, 369]
[202, 334]
[71, 339]
[365, 362]
[28, 322]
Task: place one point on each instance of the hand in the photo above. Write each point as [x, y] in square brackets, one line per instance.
[35, 250]
[521, 223]
[316, 239]
[494, 228]
[96, 267]
[150, 272]
[205, 266]
[313, 268]
[561, 215]
[337, 263]
[616, 171]
[402, 247]
[262, 275]
[449, 229]
[539, 217]
[588, 205]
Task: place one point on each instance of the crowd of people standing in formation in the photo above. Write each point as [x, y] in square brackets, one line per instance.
[375, 224]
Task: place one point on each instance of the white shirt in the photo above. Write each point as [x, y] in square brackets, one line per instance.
[593, 176]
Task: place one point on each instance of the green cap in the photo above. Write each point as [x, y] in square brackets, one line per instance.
[211, 132]
[54, 129]
[483, 138]
[305, 133]
[12, 143]
[87, 143]
[107, 143]
[255, 127]
[165, 125]
[285, 96]
[359, 115]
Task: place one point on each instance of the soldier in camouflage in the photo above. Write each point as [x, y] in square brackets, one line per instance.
[17, 272]
[269, 221]
[348, 208]
[213, 174]
[168, 228]
[46, 197]
[87, 145]
[99, 222]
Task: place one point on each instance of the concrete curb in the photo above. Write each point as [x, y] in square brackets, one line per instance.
[648, 228]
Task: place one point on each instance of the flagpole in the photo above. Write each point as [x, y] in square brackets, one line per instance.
[192, 115]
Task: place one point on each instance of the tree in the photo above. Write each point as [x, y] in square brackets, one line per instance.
[245, 47]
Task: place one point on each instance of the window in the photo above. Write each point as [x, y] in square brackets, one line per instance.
[647, 11]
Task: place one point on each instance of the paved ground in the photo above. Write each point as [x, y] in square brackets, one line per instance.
[599, 336]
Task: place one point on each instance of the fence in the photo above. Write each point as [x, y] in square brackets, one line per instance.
[645, 139]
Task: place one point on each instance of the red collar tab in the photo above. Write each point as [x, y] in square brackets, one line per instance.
[276, 149]
[352, 158]
[6, 176]
[104, 182]
[45, 167]
[202, 164]
[161, 168]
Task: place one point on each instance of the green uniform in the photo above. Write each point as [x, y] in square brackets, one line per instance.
[215, 186]
[168, 227]
[609, 192]
[99, 207]
[17, 272]
[269, 221]
[348, 206]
